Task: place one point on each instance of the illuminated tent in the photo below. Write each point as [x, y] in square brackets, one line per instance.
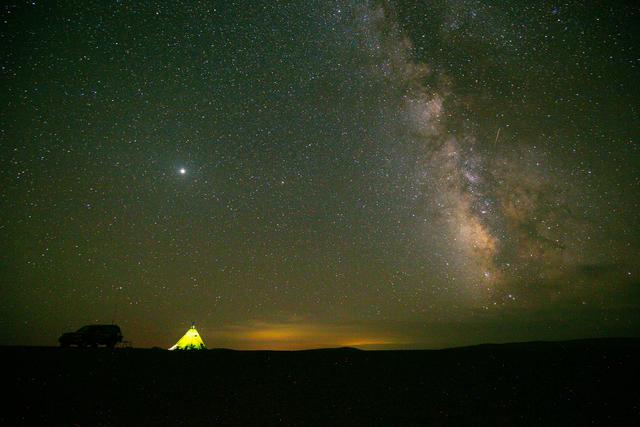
[190, 341]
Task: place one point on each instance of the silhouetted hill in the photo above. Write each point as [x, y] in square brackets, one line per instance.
[537, 383]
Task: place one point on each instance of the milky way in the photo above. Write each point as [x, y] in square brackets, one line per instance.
[291, 175]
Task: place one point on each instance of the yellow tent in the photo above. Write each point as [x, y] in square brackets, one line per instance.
[190, 341]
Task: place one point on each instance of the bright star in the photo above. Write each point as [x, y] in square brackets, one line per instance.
[183, 171]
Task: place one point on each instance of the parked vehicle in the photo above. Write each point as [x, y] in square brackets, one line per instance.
[92, 336]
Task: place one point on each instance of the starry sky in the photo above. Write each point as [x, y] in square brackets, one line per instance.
[299, 174]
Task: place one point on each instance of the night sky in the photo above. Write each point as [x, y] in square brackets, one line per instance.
[411, 174]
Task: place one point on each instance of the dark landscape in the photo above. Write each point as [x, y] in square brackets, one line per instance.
[582, 382]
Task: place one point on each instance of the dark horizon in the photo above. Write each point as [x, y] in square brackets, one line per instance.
[127, 346]
[372, 174]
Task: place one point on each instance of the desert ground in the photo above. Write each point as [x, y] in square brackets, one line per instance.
[584, 382]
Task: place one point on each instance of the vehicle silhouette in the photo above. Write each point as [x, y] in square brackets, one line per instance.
[92, 336]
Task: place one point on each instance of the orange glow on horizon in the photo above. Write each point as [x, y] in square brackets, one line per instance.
[284, 336]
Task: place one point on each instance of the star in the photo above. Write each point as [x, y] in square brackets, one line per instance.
[182, 171]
